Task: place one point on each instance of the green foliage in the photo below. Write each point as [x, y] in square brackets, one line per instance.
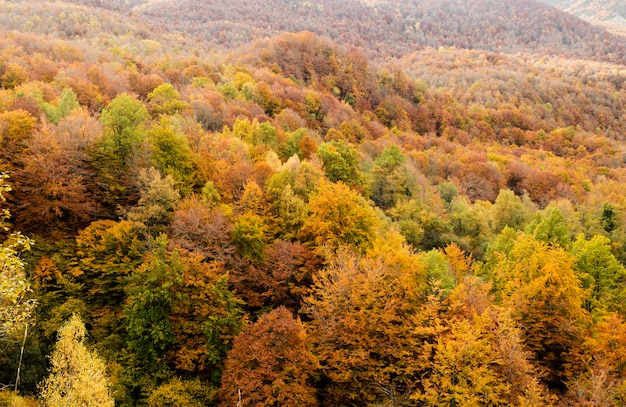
[439, 275]
[601, 274]
[341, 162]
[224, 323]
[156, 202]
[164, 99]
[509, 210]
[122, 120]
[250, 236]
[291, 146]
[149, 305]
[391, 178]
[172, 155]
[552, 229]
[424, 228]
[66, 103]
[210, 194]
[77, 376]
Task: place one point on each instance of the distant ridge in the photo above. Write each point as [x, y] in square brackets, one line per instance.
[385, 28]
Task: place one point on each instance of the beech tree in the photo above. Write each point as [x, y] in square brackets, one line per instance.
[270, 364]
[122, 120]
[15, 305]
[339, 216]
[359, 308]
[78, 376]
[538, 283]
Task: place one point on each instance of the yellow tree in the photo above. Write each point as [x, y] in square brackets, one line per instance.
[537, 282]
[77, 375]
[339, 216]
[369, 327]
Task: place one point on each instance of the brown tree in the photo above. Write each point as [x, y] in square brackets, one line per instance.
[270, 365]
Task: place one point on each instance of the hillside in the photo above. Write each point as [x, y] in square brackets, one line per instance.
[598, 10]
[413, 208]
[382, 28]
[610, 14]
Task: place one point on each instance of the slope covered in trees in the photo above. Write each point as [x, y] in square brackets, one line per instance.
[296, 223]
[388, 28]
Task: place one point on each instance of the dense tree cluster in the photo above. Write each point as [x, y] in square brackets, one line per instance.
[295, 224]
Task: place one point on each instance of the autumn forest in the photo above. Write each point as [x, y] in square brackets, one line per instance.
[289, 203]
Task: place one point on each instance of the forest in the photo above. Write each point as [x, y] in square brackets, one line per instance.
[310, 218]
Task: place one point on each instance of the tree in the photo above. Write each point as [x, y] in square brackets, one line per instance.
[360, 308]
[391, 179]
[54, 193]
[601, 274]
[158, 198]
[180, 312]
[509, 210]
[339, 215]
[15, 306]
[66, 103]
[182, 393]
[77, 376]
[164, 99]
[146, 313]
[552, 229]
[107, 252]
[537, 282]
[172, 155]
[341, 163]
[270, 364]
[122, 120]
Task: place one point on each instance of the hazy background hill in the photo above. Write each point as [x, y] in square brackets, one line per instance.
[389, 28]
[608, 13]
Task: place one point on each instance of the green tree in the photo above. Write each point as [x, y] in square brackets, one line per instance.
[391, 178]
[122, 120]
[552, 229]
[172, 155]
[66, 103]
[509, 210]
[164, 99]
[250, 236]
[157, 200]
[77, 376]
[341, 163]
[149, 305]
[601, 274]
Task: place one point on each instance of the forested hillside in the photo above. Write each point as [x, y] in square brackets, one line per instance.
[345, 216]
[383, 28]
[610, 14]
[612, 10]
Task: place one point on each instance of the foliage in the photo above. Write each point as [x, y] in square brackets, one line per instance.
[339, 216]
[77, 375]
[270, 364]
